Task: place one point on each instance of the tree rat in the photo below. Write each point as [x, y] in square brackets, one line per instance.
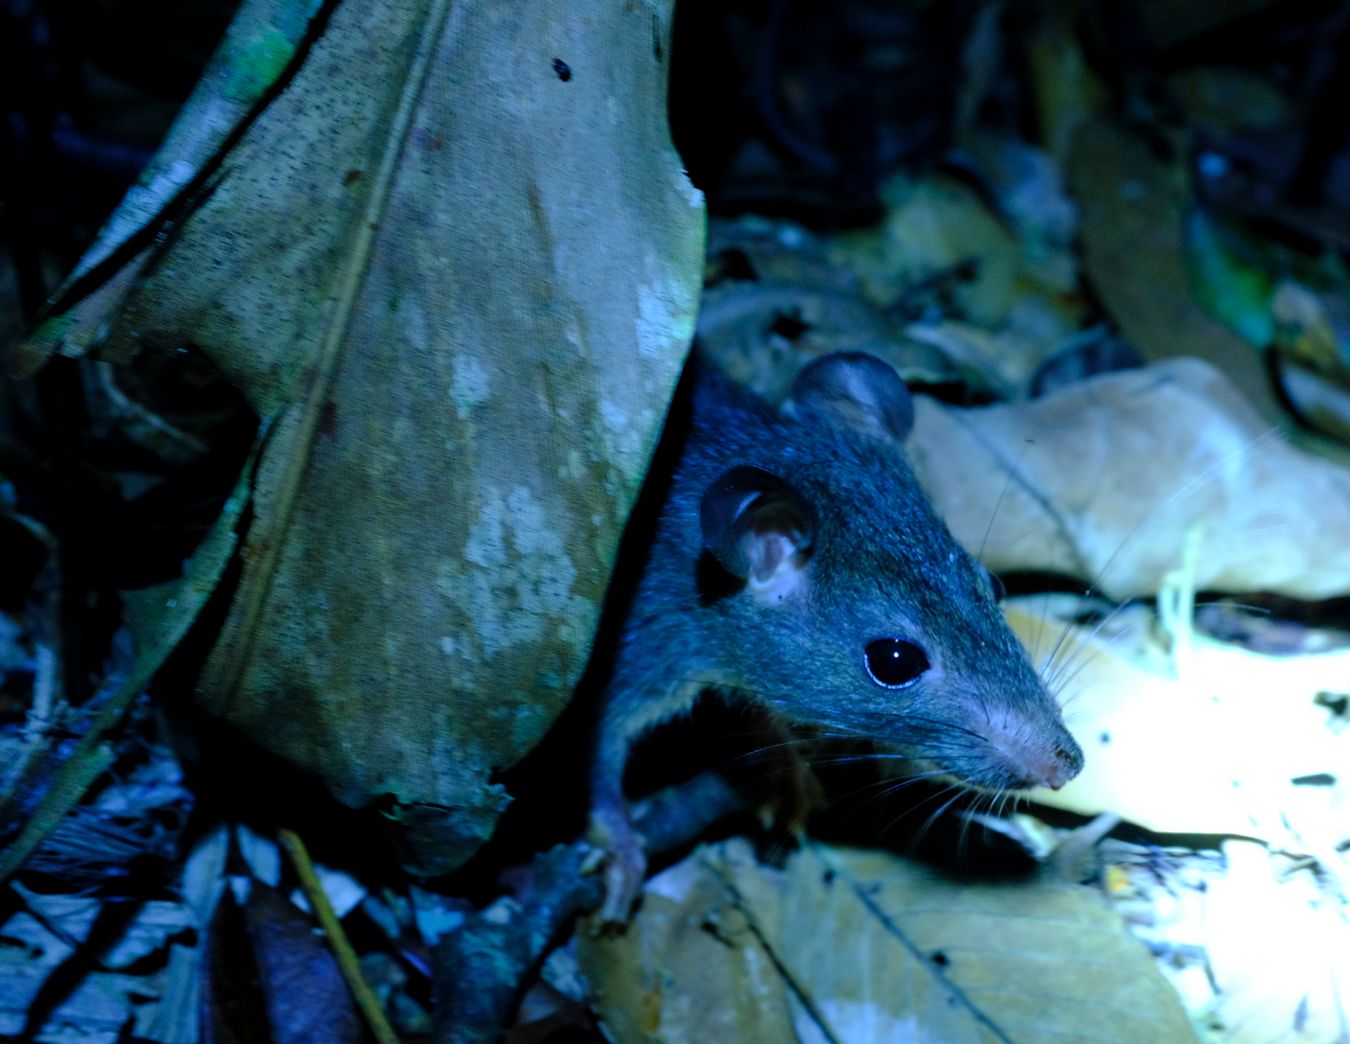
[798, 565]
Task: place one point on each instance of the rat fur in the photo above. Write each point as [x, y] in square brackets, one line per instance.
[798, 565]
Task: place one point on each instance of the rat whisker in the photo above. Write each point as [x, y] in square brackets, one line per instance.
[883, 789]
[988, 529]
[944, 725]
[929, 823]
[1074, 665]
[1242, 452]
[854, 759]
[1050, 669]
[967, 819]
[1246, 607]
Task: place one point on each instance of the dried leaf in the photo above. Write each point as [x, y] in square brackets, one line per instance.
[1319, 399]
[1307, 324]
[1276, 952]
[1030, 188]
[47, 970]
[259, 44]
[272, 976]
[676, 974]
[850, 945]
[1133, 207]
[1313, 351]
[306, 996]
[1066, 91]
[1106, 480]
[932, 226]
[455, 264]
[1218, 750]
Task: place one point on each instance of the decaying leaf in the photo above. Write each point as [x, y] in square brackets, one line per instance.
[1065, 90]
[454, 265]
[1321, 401]
[1313, 352]
[1220, 749]
[933, 226]
[50, 939]
[853, 945]
[677, 974]
[1106, 480]
[260, 42]
[1276, 952]
[1134, 208]
[277, 953]
[774, 301]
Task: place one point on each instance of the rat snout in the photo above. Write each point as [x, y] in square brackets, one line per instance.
[1058, 767]
[1038, 760]
[1060, 763]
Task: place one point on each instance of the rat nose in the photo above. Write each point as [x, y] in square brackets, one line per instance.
[1059, 767]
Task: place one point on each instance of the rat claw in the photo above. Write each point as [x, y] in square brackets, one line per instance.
[797, 797]
[625, 867]
[624, 872]
[595, 858]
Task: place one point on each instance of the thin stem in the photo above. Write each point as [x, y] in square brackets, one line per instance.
[347, 960]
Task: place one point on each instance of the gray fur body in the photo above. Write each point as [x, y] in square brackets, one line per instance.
[864, 558]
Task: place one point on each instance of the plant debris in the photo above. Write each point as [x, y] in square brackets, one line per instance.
[315, 450]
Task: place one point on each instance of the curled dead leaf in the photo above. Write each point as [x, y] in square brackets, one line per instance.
[1106, 480]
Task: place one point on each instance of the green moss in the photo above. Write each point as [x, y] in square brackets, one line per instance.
[51, 332]
[256, 65]
[1230, 278]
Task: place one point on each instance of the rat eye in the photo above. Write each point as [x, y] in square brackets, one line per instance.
[893, 662]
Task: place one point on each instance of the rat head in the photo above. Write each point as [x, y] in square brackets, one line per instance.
[853, 608]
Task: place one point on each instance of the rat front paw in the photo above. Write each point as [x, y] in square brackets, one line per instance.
[797, 795]
[625, 867]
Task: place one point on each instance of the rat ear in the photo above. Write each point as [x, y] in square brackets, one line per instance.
[758, 528]
[855, 390]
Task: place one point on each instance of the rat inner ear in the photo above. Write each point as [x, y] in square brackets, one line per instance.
[854, 390]
[758, 528]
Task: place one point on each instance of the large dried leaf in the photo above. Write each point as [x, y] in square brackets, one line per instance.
[456, 262]
[931, 227]
[268, 957]
[260, 42]
[1107, 480]
[1216, 741]
[860, 946]
[1134, 207]
[50, 939]
[1251, 914]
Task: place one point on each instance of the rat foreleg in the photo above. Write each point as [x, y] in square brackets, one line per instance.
[627, 717]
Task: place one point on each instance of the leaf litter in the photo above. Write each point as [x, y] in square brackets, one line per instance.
[845, 945]
[1014, 279]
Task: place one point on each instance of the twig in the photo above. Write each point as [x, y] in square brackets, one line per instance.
[337, 939]
[480, 967]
